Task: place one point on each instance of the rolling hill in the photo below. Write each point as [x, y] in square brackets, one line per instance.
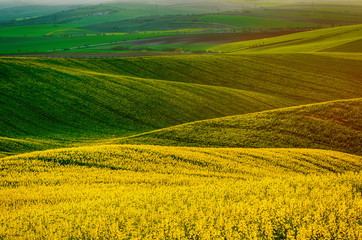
[344, 39]
[30, 11]
[61, 102]
[64, 102]
[213, 162]
[333, 125]
[116, 11]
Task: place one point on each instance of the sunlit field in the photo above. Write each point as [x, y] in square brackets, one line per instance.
[155, 192]
[230, 119]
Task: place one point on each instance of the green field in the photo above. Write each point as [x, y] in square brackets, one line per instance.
[100, 95]
[334, 125]
[131, 11]
[332, 13]
[103, 102]
[157, 23]
[23, 12]
[311, 41]
[253, 4]
[38, 30]
[351, 47]
[83, 25]
[42, 44]
[164, 47]
[255, 22]
[50, 38]
[66, 29]
[110, 12]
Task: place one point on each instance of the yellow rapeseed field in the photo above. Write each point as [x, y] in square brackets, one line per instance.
[153, 192]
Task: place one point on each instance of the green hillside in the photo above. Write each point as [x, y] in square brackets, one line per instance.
[345, 38]
[333, 125]
[57, 43]
[117, 11]
[62, 102]
[301, 78]
[248, 22]
[27, 12]
[36, 30]
[155, 23]
[128, 192]
[333, 13]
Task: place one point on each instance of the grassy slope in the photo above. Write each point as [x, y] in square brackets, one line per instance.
[312, 41]
[120, 192]
[252, 4]
[44, 44]
[34, 30]
[333, 125]
[333, 12]
[50, 99]
[68, 101]
[301, 78]
[123, 11]
[155, 23]
[8, 14]
[254, 22]
[352, 47]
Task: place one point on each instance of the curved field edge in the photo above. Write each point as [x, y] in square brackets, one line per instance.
[339, 39]
[11, 146]
[64, 106]
[222, 162]
[67, 102]
[334, 125]
[299, 77]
